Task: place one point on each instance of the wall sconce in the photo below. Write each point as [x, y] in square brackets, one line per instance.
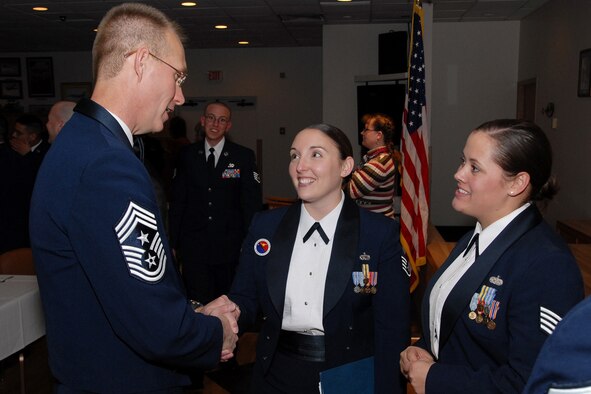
[548, 110]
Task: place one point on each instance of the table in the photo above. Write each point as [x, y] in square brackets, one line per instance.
[21, 313]
[576, 231]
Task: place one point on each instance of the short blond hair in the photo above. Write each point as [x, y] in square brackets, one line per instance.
[123, 29]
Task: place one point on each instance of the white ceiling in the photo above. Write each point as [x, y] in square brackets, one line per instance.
[68, 24]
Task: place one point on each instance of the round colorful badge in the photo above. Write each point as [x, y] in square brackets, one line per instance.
[262, 247]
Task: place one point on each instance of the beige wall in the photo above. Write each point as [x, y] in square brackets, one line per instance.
[292, 102]
[474, 80]
[474, 70]
[551, 40]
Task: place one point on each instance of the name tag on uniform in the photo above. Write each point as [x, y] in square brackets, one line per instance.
[231, 173]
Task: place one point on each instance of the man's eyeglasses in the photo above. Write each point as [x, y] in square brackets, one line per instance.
[210, 118]
[179, 76]
[364, 130]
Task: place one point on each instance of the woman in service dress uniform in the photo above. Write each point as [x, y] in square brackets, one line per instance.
[326, 275]
[487, 312]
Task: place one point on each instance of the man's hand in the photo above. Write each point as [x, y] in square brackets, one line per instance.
[20, 146]
[230, 339]
[228, 313]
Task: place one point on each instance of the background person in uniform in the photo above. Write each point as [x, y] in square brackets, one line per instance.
[490, 307]
[318, 311]
[59, 114]
[19, 162]
[117, 317]
[563, 363]
[373, 184]
[211, 207]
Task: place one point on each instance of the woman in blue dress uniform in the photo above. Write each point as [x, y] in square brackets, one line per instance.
[505, 286]
[329, 295]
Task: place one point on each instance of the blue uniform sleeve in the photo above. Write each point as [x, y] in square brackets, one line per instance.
[150, 314]
[244, 290]
[391, 314]
[563, 362]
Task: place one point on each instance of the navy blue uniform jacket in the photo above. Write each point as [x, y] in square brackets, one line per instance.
[117, 318]
[535, 277]
[356, 325]
[209, 218]
[564, 361]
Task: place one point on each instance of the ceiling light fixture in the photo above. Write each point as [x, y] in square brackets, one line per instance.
[188, 4]
[243, 42]
[40, 8]
[221, 27]
[344, 1]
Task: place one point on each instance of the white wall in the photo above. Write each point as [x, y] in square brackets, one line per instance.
[348, 51]
[551, 40]
[475, 68]
[472, 72]
[474, 80]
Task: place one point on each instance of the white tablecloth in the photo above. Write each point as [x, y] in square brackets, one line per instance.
[21, 314]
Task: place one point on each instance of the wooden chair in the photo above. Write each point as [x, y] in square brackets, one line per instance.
[17, 262]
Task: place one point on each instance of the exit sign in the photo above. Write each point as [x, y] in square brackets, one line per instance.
[215, 75]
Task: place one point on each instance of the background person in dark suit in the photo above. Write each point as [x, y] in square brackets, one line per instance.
[117, 317]
[19, 162]
[329, 296]
[488, 310]
[212, 206]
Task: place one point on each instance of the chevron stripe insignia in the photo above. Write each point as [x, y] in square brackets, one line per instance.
[548, 320]
[141, 245]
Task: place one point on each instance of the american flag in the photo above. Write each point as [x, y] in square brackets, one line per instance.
[414, 212]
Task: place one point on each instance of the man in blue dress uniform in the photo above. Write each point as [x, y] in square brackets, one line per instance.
[118, 319]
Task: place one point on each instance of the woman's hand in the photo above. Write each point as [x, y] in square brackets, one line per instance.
[417, 374]
[410, 355]
[414, 365]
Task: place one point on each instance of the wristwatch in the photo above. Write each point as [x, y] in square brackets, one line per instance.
[196, 305]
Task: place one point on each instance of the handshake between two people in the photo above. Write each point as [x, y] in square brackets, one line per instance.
[228, 313]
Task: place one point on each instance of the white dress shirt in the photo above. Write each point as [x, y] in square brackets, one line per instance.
[304, 295]
[217, 150]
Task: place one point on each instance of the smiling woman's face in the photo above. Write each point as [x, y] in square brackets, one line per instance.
[483, 187]
[316, 168]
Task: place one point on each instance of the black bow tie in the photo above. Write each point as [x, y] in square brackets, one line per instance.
[316, 227]
[473, 241]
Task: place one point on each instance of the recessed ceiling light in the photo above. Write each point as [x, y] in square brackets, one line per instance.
[40, 8]
[243, 42]
[221, 26]
[188, 4]
[344, 1]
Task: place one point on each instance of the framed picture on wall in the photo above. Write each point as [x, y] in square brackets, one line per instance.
[74, 91]
[40, 77]
[584, 89]
[10, 67]
[11, 90]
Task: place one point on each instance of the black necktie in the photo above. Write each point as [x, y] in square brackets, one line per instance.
[473, 241]
[316, 227]
[211, 160]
